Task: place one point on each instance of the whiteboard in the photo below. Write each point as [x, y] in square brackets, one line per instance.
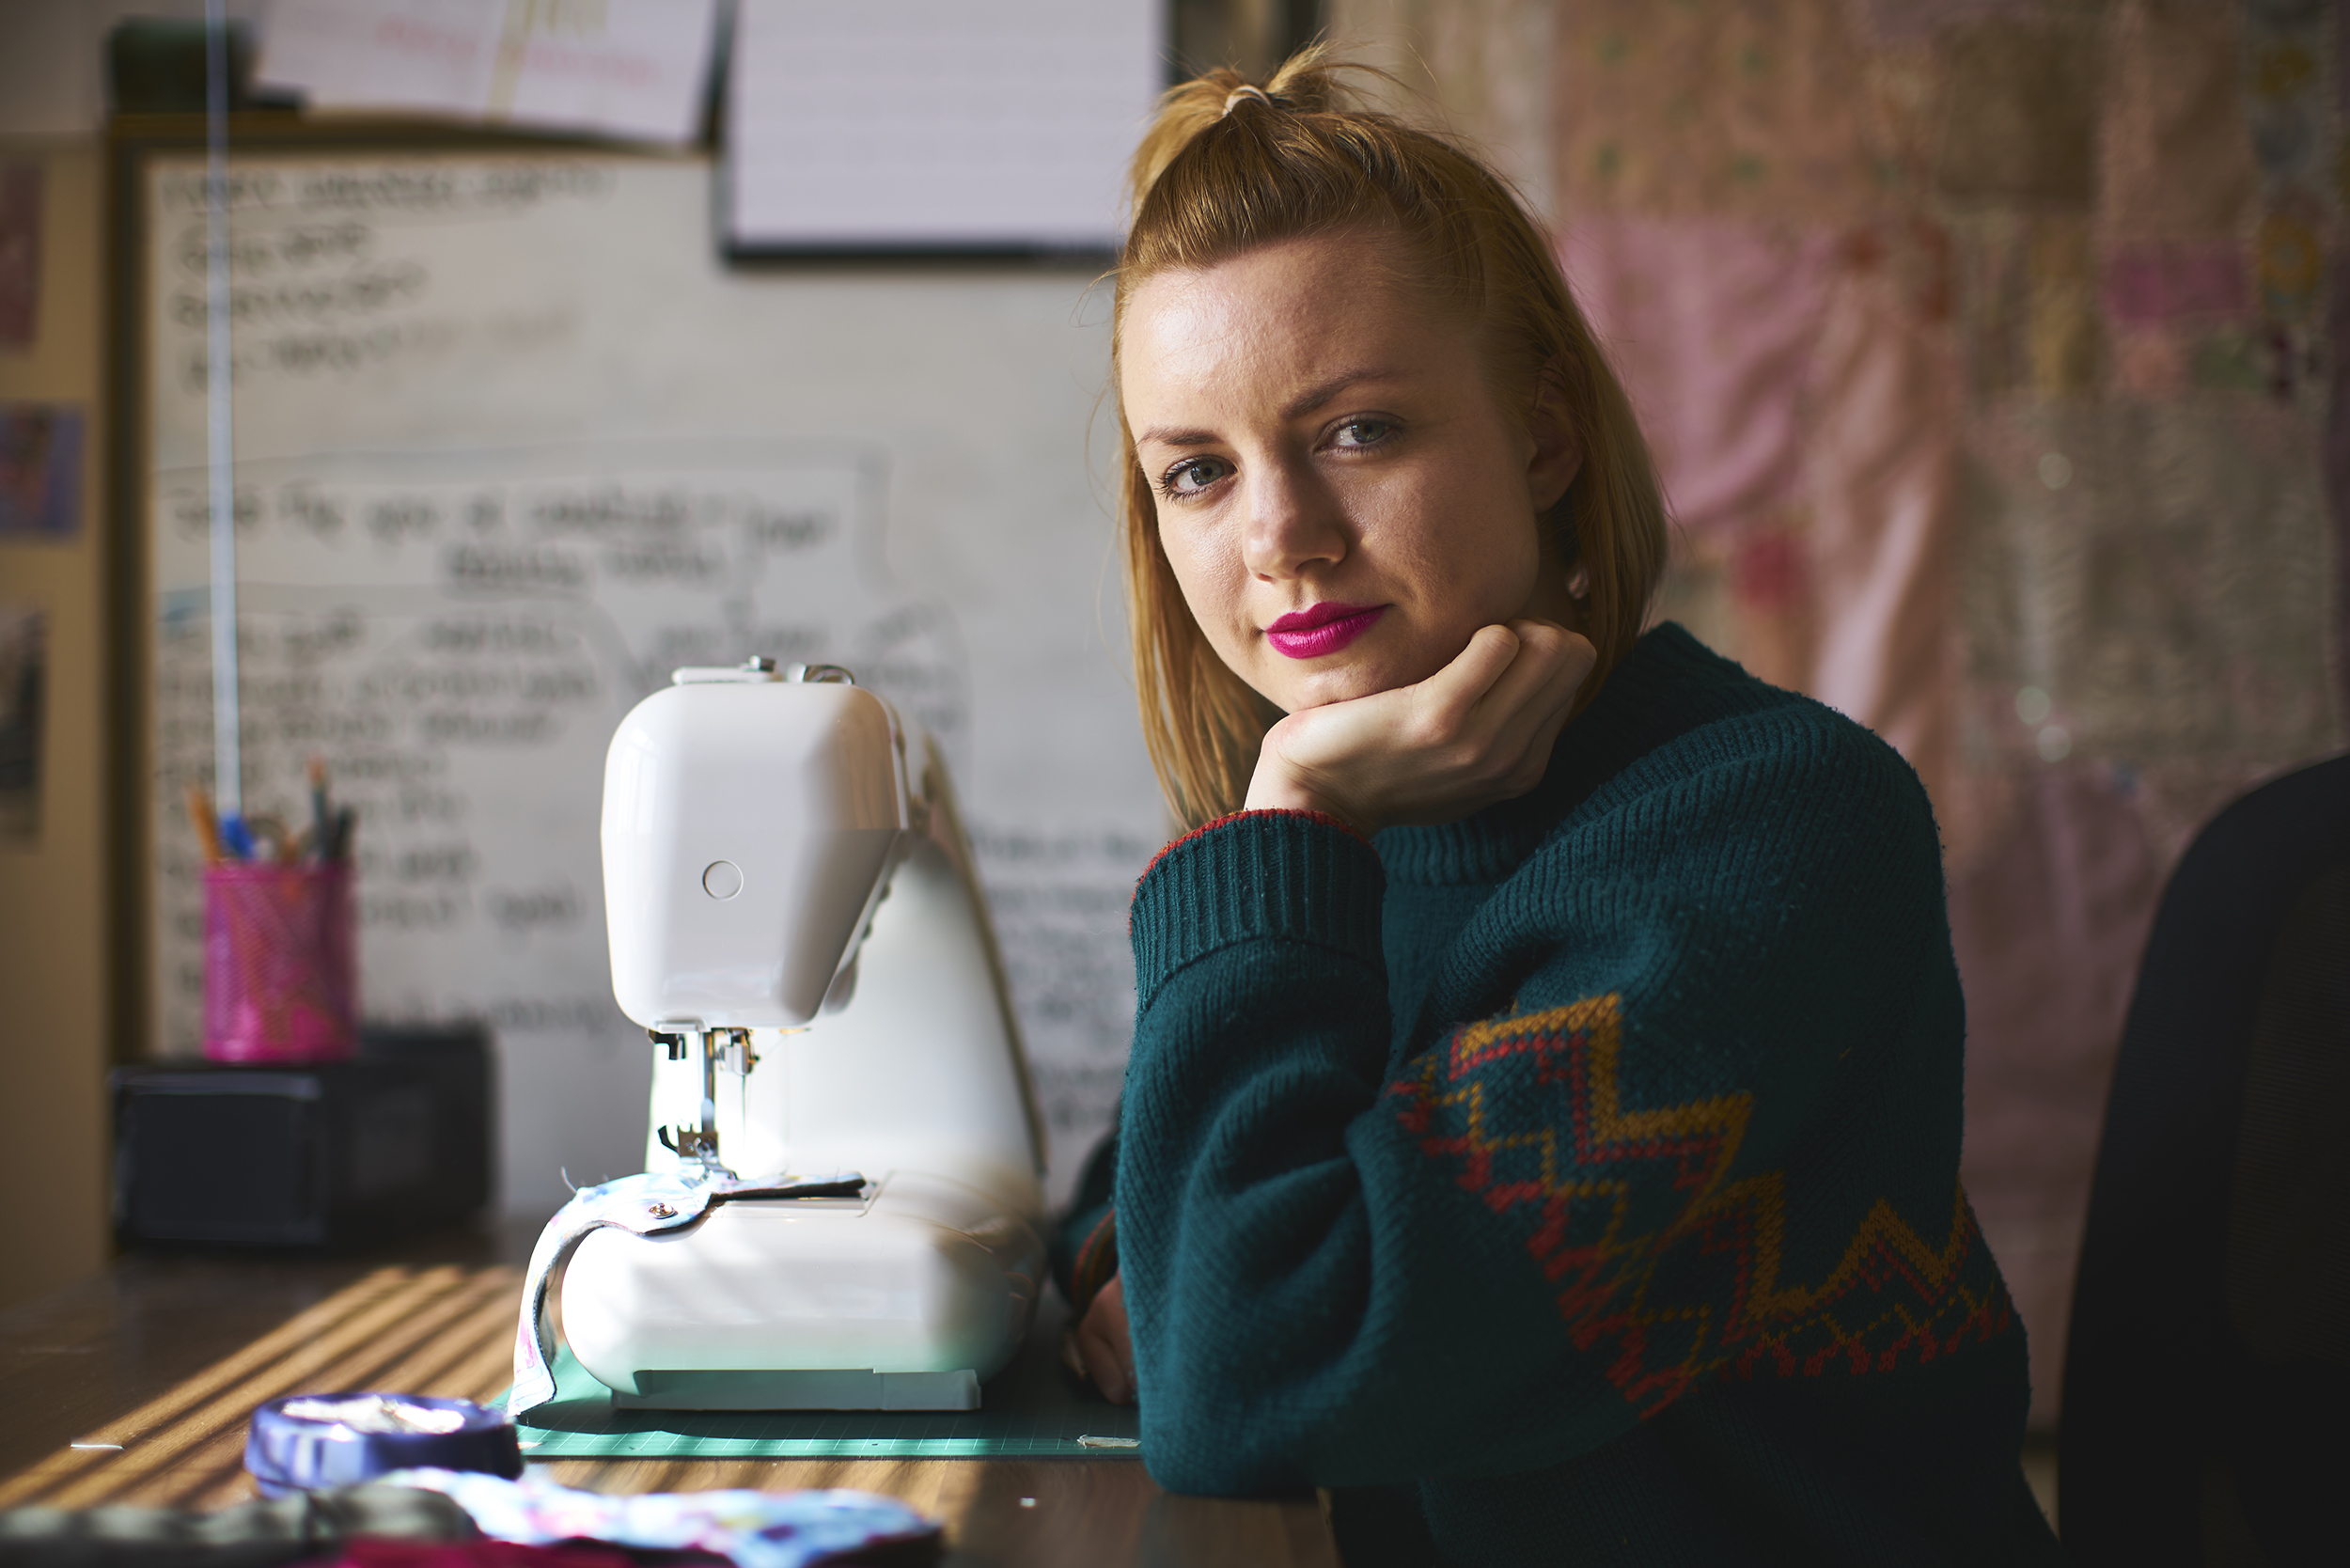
[511, 445]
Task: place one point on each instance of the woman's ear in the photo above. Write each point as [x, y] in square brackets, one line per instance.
[1557, 455]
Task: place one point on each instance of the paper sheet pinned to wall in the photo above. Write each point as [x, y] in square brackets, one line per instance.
[935, 124]
[634, 70]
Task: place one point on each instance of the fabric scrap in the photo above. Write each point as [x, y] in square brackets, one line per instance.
[1894, 23]
[2048, 927]
[1743, 108]
[752, 1529]
[2147, 284]
[2062, 331]
[371, 1553]
[2161, 571]
[2018, 127]
[263, 1534]
[2288, 255]
[1881, 462]
[1712, 326]
[2174, 159]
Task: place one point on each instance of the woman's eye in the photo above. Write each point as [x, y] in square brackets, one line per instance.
[1362, 433]
[1192, 475]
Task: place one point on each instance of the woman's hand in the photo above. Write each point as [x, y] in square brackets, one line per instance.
[1101, 1349]
[1476, 732]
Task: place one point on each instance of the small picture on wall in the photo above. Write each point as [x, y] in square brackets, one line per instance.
[41, 471]
[23, 680]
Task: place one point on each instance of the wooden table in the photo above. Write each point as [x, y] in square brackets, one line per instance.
[134, 1386]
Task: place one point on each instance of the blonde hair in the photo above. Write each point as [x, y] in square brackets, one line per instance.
[1230, 165]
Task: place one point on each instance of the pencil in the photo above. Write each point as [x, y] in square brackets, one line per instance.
[207, 830]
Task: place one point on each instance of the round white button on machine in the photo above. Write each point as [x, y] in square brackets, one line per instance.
[722, 879]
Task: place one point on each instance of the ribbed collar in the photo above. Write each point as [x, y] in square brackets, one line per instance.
[1668, 685]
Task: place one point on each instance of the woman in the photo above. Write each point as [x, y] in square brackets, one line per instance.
[1543, 1124]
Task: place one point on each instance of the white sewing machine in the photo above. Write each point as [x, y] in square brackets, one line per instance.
[772, 863]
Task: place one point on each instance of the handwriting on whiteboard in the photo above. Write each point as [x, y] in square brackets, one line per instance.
[458, 650]
[318, 284]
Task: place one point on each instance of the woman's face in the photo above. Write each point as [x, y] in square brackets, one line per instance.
[1341, 494]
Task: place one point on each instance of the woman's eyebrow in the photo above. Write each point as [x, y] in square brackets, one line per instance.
[1324, 392]
[1167, 437]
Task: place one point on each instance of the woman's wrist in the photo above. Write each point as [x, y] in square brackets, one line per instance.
[1275, 789]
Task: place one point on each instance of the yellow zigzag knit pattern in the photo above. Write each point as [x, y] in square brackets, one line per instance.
[1701, 1294]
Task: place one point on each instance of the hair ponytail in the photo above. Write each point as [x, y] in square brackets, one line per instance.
[1306, 84]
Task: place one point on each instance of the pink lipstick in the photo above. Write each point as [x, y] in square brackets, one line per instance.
[1325, 628]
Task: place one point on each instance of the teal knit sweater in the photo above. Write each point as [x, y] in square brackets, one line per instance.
[1576, 1182]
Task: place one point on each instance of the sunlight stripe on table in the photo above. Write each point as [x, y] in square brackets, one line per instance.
[473, 1359]
[205, 1449]
[226, 1372]
[221, 1374]
[190, 1441]
[478, 1341]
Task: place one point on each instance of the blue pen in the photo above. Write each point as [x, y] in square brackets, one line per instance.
[235, 838]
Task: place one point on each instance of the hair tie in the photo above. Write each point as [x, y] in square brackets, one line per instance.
[1239, 93]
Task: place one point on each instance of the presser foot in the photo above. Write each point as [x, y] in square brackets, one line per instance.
[697, 1147]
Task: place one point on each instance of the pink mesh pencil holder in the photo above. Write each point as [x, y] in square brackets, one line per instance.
[280, 971]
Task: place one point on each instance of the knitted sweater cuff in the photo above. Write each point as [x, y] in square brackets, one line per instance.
[1297, 875]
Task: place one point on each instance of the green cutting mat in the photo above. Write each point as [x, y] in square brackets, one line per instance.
[1032, 1409]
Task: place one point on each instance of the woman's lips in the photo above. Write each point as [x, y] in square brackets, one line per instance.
[1309, 634]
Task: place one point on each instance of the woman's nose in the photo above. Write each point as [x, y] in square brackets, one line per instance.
[1293, 523]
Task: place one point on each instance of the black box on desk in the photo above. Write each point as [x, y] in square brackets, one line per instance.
[392, 1141]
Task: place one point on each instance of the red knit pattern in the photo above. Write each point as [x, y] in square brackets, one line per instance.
[1700, 1296]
